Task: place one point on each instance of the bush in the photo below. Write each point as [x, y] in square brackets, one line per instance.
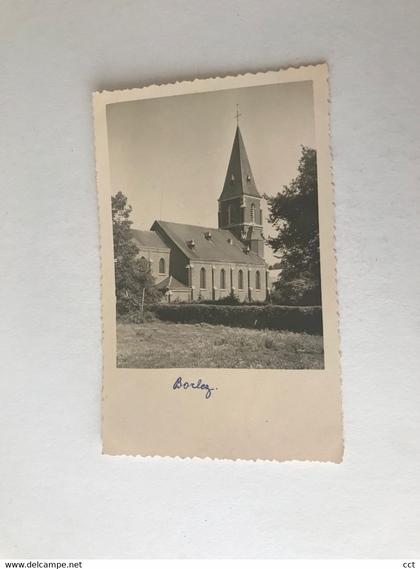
[137, 317]
[230, 300]
[293, 318]
[129, 303]
[296, 292]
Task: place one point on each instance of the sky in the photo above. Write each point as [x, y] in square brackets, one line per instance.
[169, 155]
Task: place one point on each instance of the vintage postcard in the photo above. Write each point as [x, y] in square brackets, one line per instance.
[220, 320]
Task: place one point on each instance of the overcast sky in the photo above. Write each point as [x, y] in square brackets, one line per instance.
[170, 155]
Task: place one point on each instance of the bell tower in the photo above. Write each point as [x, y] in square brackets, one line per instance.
[240, 203]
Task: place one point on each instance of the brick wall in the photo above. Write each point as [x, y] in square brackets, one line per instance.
[154, 256]
[213, 283]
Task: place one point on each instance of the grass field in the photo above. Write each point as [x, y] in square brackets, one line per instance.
[160, 344]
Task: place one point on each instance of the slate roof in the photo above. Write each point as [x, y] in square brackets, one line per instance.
[239, 179]
[148, 239]
[217, 248]
[171, 283]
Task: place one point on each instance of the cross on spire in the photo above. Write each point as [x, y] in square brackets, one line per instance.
[238, 114]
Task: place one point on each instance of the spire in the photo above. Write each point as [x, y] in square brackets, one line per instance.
[239, 180]
[238, 114]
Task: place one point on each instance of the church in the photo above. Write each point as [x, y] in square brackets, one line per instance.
[191, 262]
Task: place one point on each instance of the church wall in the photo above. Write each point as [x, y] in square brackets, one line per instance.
[240, 214]
[235, 212]
[178, 260]
[249, 201]
[213, 289]
[198, 291]
[177, 296]
[154, 256]
[257, 246]
[249, 282]
[178, 266]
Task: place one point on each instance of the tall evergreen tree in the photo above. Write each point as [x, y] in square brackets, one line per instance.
[294, 214]
[132, 274]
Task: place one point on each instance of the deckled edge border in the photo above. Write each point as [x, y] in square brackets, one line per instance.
[145, 88]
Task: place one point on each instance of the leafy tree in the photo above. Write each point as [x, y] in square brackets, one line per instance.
[132, 274]
[294, 214]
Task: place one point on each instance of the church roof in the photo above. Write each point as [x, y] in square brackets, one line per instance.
[171, 283]
[148, 239]
[239, 179]
[206, 243]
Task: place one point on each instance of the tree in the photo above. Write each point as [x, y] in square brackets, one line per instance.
[294, 214]
[133, 277]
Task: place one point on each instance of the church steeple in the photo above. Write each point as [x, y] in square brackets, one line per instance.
[239, 202]
[239, 180]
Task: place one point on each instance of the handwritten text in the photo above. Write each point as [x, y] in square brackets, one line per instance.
[182, 384]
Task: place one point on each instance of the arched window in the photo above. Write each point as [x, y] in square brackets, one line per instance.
[202, 277]
[162, 265]
[240, 279]
[222, 279]
[258, 280]
[229, 214]
[252, 213]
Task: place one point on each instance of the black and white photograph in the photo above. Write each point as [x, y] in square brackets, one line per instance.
[219, 297]
[216, 229]
[210, 325]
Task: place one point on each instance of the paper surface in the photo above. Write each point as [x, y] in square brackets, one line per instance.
[274, 414]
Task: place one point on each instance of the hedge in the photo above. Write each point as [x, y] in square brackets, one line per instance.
[292, 318]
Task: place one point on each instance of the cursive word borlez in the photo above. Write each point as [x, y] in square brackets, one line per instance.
[181, 384]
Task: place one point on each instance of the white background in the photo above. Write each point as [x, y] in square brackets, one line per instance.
[59, 496]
